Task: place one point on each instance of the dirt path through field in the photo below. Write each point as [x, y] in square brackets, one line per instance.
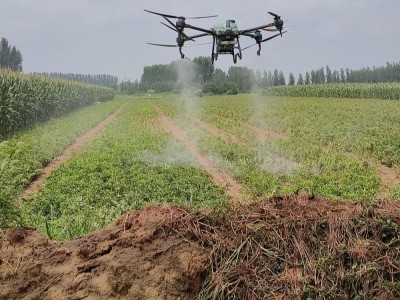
[222, 179]
[216, 132]
[37, 184]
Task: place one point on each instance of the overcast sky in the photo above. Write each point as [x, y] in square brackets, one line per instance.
[110, 36]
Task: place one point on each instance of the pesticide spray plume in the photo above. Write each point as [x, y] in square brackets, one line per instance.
[269, 158]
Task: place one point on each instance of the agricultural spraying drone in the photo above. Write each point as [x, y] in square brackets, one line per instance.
[225, 36]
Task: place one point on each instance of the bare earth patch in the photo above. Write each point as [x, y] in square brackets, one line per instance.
[134, 258]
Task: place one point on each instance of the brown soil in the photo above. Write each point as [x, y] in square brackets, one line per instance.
[37, 184]
[130, 259]
[293, 247]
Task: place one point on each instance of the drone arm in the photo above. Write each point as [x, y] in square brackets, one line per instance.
[198, 35]
[246, 31]
[199, 29]
[247, 34]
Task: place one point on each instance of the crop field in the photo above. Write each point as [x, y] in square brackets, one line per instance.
[260, 190]
[243, 147]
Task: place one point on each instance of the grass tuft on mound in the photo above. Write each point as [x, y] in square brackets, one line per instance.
[301, 247]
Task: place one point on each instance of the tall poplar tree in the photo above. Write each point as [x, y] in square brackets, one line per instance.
[10, 57]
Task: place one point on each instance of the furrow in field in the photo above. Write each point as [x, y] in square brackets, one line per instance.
[216, 132]
[262, 133]
[37, 184]
[388, 176]
[220, 178]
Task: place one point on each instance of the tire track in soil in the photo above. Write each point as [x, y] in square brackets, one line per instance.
[36, 185]
[232, 188]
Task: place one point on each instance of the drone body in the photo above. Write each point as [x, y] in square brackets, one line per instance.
[225, 37]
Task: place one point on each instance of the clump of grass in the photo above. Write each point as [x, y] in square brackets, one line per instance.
[300, 247]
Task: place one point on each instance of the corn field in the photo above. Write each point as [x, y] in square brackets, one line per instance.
[28, 99]
[387, 91]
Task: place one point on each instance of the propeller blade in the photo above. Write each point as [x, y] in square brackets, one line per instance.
[274, 15]
[170, 27]
[163, 15]
[264, 40]
[163, 45]
[274, 29]
[213, 16]
[176, 17]
[176, 46]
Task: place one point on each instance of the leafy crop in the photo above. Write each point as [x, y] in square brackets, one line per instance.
[26, 100]
[134, 163]
[328, 147]
[388, 91]
[23, 156]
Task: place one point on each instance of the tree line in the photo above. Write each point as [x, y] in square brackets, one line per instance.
[204, 76]
[200, 73]
[384, 74]
[10, 56]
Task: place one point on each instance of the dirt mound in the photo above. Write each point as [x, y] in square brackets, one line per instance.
[295, 247]
[134, 258]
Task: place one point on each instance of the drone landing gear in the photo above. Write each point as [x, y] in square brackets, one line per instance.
[180, 51]
[214, 55]
[237, 55]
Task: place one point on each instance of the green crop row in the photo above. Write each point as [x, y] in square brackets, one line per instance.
[327, 147]
[23, 155]
[28, 99]
[309, 146]
[387, 91]
[132, 164]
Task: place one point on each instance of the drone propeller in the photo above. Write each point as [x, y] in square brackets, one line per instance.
[170, 27]
[274, 29]
[274, 15]
[176, 30]
[278, 23]
[177, 17]
[176, 46]
[264, 40]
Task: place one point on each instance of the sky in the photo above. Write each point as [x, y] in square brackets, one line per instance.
[110, 36]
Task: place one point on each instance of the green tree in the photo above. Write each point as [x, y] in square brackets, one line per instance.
[300, 81]
[282, 80]
[308, 79]
[342, 76]
[10, 57]
[292, 80]
[205, 67]
[219, 75]
[329, 78]
[276, 78]
[243, 77]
